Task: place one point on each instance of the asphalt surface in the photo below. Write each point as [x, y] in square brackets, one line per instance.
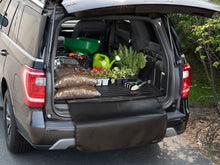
[171, 151]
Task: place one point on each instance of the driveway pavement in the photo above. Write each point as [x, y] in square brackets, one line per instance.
[171, 151]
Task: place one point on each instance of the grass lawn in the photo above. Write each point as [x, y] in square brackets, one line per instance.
[200, 91]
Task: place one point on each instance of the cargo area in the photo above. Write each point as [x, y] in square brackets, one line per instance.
[94, 50]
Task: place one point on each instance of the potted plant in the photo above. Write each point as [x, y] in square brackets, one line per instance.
[114, 74]
[130, 58]
[119, 75]
[105, 76]
[101, 74]
[128, 73]
[95, 73]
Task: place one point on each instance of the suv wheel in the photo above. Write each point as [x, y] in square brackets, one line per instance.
[15, 142]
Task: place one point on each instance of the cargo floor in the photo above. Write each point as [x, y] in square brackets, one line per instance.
[118, 92]
[110, 93]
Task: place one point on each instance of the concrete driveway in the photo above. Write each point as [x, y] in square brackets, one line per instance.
[171, 151]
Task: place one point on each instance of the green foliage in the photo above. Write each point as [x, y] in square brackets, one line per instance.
[201, 36]
[201, 92]
[183, 25]
[198, 48]
[208, 39]
[130, 58]
[203, 57]
[215, 64]
[120, 73]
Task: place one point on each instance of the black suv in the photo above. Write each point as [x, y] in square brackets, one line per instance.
[33, 44]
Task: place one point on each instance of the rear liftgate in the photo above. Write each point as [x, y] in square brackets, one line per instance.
[111, 125]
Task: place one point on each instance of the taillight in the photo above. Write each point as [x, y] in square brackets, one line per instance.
[34, 82]
[186, 80]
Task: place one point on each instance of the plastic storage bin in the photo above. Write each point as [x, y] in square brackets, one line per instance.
[82, 45]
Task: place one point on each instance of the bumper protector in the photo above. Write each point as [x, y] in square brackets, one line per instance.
[104, 126]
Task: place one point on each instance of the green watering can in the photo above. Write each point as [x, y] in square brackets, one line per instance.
[101, 60]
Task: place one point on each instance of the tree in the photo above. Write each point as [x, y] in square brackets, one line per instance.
[201, 35]
[208, 40]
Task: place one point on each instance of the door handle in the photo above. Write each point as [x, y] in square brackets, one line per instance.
[4, 52]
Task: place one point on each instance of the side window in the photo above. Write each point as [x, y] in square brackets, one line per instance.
[9, 14]
[123, 32]
[3, 8]
[2, 5]
[176, 40]
[30, 32]
[173, 38]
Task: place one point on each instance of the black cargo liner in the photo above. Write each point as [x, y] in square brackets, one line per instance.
[118, 92]
[111, 125]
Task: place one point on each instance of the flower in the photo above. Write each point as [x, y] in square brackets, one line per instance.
[100, 72]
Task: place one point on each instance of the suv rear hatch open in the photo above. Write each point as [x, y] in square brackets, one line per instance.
[99, 8]
[120, 118]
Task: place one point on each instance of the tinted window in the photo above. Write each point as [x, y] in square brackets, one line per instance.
[29, 37]
[123, 32]
[176, 40]
[124, 25]
[4, 5]
[9, 14]
[3, 8]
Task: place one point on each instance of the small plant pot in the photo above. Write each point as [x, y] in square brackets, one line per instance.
[99, 82]
[119, 81]
[125, 80]
[105, 81]
[136, 75]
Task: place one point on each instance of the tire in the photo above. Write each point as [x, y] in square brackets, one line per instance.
[15, 142]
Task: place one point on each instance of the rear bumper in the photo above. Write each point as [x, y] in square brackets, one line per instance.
[177, 120]
[43, 134]
[53, 135]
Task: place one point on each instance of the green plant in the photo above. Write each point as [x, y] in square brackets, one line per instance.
[183, 26]
[120, 73]
[201, 35]
[130, 58]
[208, 49]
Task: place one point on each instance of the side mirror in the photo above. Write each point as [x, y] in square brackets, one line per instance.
[3, 20]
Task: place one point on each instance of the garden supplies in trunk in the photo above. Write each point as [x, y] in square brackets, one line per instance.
[73, 75]
[76, 92]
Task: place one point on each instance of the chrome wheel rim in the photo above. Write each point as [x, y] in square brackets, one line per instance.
[8, 121]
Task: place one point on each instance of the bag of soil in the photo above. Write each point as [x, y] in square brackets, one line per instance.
[76, 92]
[73, 75]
